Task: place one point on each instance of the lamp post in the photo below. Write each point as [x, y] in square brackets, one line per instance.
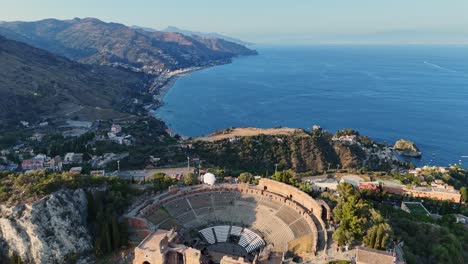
[188, 164]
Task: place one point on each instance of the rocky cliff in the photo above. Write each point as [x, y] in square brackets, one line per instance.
[304, 151]
[51, 230]
[407, 148]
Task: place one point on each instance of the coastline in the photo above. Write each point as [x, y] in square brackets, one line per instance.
[163, 83]
[162, 91]
[161, 86]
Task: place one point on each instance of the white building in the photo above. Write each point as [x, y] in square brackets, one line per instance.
[322, 185]
[351, 179]
[116, 129]
[209, 178]
[73, 158]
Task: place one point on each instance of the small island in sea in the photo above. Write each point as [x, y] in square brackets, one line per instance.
[407, 148]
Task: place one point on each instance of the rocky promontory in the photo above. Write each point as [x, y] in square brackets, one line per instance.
[51, 230]
[407, 148]
[262, 150]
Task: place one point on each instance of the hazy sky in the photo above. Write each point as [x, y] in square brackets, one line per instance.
[270, 20]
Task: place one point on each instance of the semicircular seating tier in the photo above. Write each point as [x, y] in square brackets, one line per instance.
[246, 238]
[225, 210]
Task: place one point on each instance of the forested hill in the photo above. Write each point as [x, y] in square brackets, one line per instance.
[36, 84]
[299, 150]
[93, 41]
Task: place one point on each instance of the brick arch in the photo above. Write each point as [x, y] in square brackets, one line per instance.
[326, 211]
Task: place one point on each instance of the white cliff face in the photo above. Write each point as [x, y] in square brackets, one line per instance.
[48, 230]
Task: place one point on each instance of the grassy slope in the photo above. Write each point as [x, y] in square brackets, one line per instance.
[36, 83]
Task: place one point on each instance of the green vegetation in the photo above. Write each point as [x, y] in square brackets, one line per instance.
[104, 206]
[464, 194]
[190, 179]
[245, 177]
[161, 181]
[406, 178]
[347, 132]
[36, 83]
[303, 152]
[457, 177]
[56, 144]
[407, 148]
[416, 208]
[447, 242]
[259, 154]
[292, 178]
[17, 188]
[427, 240]
[150, 136]
[8, 139]
[358, 221]
[104, 209]
[339, 262]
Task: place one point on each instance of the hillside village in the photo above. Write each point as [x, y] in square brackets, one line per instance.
[23, 158]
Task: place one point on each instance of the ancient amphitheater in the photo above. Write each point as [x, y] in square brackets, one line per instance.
[260, 223]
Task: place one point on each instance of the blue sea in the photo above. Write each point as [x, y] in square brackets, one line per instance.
[419, 93]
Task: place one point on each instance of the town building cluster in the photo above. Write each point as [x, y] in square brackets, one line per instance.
[437, 190]
[23, 158]
[115, 134]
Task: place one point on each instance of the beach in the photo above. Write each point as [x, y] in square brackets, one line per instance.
[163, 83]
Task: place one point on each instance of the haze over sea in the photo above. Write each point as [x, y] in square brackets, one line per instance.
[414, 92]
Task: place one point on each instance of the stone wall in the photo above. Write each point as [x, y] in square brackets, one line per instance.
[160, 248]
[437, 195]
[292, 193]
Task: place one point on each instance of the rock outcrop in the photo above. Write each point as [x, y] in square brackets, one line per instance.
[407, 148]
[51, 230]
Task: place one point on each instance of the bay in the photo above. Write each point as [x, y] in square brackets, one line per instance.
[415, 92]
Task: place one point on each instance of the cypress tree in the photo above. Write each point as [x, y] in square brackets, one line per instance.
[370, 238]
[106, 238]
[379, 237]
[115, 234]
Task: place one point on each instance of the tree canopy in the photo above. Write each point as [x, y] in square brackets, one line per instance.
[190, 178]
[358, 221]
[162, 181]
[245, 177]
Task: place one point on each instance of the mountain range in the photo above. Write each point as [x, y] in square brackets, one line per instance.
[93, 41]
[61, 69]
[36, 84]
[206, 35]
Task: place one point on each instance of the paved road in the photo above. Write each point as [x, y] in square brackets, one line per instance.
[139, 174]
